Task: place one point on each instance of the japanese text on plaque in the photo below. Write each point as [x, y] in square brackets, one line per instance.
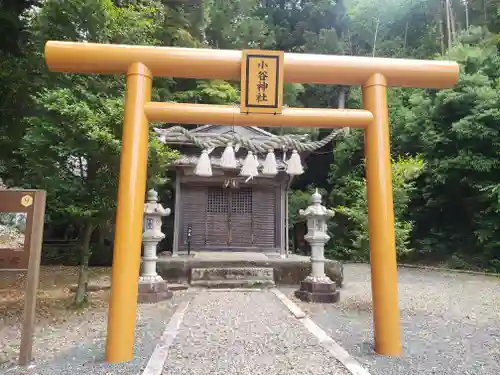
[262, 82]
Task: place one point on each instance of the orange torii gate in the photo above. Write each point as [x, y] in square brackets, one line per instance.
[142, 63]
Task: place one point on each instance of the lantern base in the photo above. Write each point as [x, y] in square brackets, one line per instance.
[152, 292]
[318, 290]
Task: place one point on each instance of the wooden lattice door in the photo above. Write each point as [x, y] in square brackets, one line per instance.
[217, 217]
[229, 220]
[240, 217]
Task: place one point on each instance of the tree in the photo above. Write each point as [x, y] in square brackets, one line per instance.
[63, 131]
[72, 146]
[16, 80]
[394, 28]
[456, 131]
[12, 27]
[354, 214]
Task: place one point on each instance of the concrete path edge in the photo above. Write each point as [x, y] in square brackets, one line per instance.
[349, 362]
[157, 360]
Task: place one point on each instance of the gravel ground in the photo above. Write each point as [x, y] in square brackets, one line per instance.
[245, 333]
[450, 322]
[79, 348]
[52, 313]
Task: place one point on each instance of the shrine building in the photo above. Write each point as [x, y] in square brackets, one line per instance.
[229, 201]
[231, 186]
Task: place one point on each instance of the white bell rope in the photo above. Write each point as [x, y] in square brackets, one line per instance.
[285, 142]
[270, 168]
[203, 167]
[294, 164]
[249, 168]
[228, 159]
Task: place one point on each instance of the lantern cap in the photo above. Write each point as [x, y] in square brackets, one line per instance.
[152, 196]
[316, 209]
[316, 197]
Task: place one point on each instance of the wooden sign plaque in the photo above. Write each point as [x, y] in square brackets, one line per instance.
[16, 226]
[262, 82]
[21, 233]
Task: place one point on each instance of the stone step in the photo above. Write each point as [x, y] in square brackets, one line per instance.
[178, 286]
[233, 277]
[233, 284]
[232, 273]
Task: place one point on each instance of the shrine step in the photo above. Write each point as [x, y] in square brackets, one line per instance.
[233, 277]
[233, 284]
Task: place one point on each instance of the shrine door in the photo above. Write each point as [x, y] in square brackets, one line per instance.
[229, 218]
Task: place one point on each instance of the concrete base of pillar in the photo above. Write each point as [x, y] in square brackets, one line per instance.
[318, 290]
[153, 292]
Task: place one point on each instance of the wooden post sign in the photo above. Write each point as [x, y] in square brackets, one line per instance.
[262, 81]
[21, 233]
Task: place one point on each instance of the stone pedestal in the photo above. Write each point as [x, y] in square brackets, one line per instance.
[152, 292]
[321, 290]
[148, 274]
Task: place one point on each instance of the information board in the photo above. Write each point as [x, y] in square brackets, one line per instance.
[21, 234]
[16, 224]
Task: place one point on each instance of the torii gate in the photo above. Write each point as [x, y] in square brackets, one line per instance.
[141, 63]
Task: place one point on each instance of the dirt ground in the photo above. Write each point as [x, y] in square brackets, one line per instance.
[54, 298]
[54, 293]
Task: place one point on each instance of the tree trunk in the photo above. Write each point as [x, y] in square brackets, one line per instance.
[466, 4]
[81, 297]
[341, 103]
[485, 12]
[441, 28]
[406, 36]
[453, 22]
[350, 41]
[448, 22]
[341, 98]
[375, 38]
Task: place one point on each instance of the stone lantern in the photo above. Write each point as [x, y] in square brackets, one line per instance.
[317, 287]
[152, 288]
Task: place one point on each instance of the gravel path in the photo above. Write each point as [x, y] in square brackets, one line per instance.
[240, 333]
[450, 322]
[78, 349]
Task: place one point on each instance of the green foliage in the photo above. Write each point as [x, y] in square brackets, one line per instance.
[209, 92]
[404, 172]
[395, 28]
[299, 200]
[72, 146]
[458, 137]
[63, 132]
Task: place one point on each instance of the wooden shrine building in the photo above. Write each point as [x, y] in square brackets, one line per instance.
[227, 211]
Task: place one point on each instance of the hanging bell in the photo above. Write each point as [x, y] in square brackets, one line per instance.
[249, 168]
[294, 165]
[228, 159]
[203, 167]
[270, 167]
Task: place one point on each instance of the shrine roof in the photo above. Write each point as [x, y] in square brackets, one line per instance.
[179, 135]
[241, 130]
